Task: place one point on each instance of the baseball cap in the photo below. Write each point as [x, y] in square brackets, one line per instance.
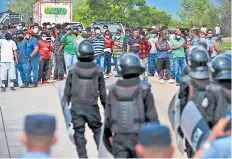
[178, 32]
[40, 124]
[31, 32]
[154, 134]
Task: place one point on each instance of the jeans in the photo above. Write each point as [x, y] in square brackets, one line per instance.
[100, 60]
[43, 69]
[172, 67]
[152, 63]
[23, 71]
[32, 66]
[144, 76]
[179, 63]
[69, 60]
[116, 63]
[108, 56]
[59, 66]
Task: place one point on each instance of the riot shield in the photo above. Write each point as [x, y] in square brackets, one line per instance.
[174, 117]
[66, 112]
[104, 145]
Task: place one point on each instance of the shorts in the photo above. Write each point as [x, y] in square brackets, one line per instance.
[163, 63]
[8, 68]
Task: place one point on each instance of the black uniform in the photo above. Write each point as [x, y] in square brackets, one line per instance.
[193, 86]
[129, 104]
[218, 93]
[85, 83]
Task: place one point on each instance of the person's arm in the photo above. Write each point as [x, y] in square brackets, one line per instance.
[150, 109]
[62, 42]
[36, 48]
[68, 86]
[16, 57]
[128, 45]
[157, 45]
[172, 47]
[102, 89]
[217, 131]
[136, 45]
[148, 46]
[217, 47]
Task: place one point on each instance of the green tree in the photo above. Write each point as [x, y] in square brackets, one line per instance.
[23, 7]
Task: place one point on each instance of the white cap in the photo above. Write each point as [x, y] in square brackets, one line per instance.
[153, 27]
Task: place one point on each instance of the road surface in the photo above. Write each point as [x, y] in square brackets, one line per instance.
[44, 99]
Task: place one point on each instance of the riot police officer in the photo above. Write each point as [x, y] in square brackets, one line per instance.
[192, 86]
[129, 104]
[84, 84]
[218, 94]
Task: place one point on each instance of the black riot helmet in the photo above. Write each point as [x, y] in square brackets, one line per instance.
[221, 67]
[199, 59]
[85, 51]
[129, 64]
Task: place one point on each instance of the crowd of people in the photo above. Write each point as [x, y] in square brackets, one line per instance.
[131, 126]
[43, 54]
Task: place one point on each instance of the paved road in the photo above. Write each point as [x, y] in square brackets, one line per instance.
[44, 99]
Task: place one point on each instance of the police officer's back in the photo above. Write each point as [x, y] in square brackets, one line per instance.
[129, 104]
[84, 84]
[38, 136]
[218, 93]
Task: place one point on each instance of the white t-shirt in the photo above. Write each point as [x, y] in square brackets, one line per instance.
[152, 41]
[217, 30]
[204, 29]
[7, 48]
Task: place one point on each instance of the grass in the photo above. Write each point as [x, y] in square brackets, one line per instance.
[225, 46]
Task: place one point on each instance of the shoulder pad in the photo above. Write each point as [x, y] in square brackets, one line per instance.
[72, 67]
[185, 79]
[99, 69]
[111, 87]
[145, 85]
[213, 87]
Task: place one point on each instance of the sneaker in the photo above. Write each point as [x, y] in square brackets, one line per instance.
[3, 89]
[117, 75]
[161, 81]
[149, 74]
[32, 86]
[110, 74]
[45, 82]
[177, 84]
[16, 85]
[12, 88]
[51, 81]
[40, 82]
[65, 75]
[24, 86]
[106, 76]
[115, 69]
[171, 81]
[60, 79]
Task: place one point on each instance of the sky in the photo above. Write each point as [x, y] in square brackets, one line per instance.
[171, 6]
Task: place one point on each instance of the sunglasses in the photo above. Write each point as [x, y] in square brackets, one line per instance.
[44, 36]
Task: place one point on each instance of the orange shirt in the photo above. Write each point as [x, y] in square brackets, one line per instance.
[44, 49]
[109, 43]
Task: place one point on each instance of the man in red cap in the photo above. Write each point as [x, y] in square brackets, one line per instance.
[33, 60]
[177, 46]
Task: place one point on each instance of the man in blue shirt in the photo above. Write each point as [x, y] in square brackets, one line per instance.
[22, 48]
[38, 136]
[33, 59]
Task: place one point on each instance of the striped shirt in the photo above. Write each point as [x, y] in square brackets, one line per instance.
[98, 46]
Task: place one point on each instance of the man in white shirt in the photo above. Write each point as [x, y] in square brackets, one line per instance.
[204, 29]
[8, 60]
[153, 56]
[217, 29]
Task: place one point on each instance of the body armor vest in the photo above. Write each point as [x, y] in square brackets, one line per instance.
[199, 90]
[220, 98]
[85, 86]
[127, 112]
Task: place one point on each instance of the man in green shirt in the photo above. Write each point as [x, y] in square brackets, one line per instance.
[68, 42]
[177, 46]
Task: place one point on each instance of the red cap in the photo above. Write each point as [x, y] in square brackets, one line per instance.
[31, 32]
[178, 32]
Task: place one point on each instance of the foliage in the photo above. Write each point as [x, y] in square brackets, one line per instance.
[226, 46]
[24, 8]
[133, 12]
[200, 12]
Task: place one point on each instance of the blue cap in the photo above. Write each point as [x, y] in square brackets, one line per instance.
[154, 134]
[40, 124]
